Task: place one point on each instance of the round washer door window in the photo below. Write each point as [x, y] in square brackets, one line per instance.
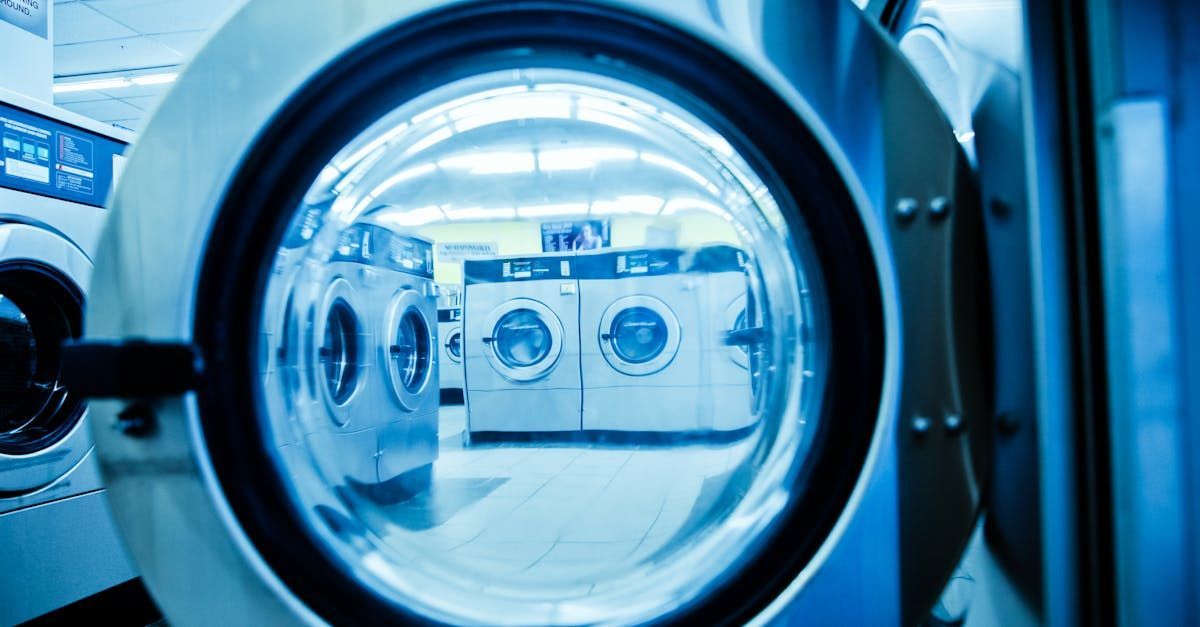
[454, 345]
[409, 349]
[39, 310]
[506, 125]
[339, 337]
[639, 335]
[526, 339]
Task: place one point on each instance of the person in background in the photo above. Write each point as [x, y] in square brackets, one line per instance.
[587, 239]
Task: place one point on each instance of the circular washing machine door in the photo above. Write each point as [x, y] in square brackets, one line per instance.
[639, 335]
[410, 348]
[526, 339]
[42, 278]
[454, 345]
[338, 331]
[787, 129]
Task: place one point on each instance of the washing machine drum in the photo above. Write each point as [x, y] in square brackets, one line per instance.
[42, 282]
[522, 339]
[39, 310]
[526, 120]
[639, 335]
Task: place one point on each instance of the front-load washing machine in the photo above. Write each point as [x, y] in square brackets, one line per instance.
[790, 125]
[641, 351]
[403, 305]
[729, 335]
[521, 344]
[344, 377]
[59, 542]
[450, 336]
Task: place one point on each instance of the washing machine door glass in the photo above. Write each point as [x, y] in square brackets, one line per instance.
[564, 490]
[411, 350]
[522, 339]
[638, 335]
[454, 345]
[339, 351]
[38, 312]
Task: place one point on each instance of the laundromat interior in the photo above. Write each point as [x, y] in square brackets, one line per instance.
[572, 312]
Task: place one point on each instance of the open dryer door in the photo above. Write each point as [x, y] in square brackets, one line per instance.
[792, 129]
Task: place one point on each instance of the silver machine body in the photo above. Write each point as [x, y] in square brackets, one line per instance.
[60, 543]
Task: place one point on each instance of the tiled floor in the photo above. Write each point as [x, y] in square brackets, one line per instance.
[558, 514]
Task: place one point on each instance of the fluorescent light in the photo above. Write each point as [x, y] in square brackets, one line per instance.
[528, 106]
[679, 205]
[490, 162]
[581, 158]
[643, 204]
[108, 83]
[677, 167]
[362, 153]
[400, 177]
[564, 209]
[154, 79]
[410, 217]
[480, 213]
[119, 82]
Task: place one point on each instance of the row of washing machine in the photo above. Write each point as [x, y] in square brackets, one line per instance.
[637, 340]
[349, 362]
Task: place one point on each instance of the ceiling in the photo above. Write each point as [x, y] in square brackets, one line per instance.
[101, 39]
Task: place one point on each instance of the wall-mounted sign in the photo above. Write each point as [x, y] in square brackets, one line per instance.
[575, 235]
[451, 252]
[27, 15]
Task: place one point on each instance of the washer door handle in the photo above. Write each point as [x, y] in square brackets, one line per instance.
[131, 368]
[488, 340]
[747, 336]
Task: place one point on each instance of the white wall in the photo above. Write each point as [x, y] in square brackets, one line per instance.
[28, 60]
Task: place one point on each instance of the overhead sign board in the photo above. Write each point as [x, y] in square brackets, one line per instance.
[28, 15]
[451, 252]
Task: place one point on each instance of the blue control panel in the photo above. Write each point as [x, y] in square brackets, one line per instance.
[49, 158]
[373, 245]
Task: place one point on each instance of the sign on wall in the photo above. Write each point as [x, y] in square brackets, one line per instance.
[451, 252]
[574, 235]
[28, 15]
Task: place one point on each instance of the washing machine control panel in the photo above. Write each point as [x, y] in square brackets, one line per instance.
[374, 245]
[519, 269]
[46, 157]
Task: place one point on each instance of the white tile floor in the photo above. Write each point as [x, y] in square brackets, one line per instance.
[560, 514]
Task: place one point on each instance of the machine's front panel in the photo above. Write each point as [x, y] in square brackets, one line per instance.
[679, 320]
